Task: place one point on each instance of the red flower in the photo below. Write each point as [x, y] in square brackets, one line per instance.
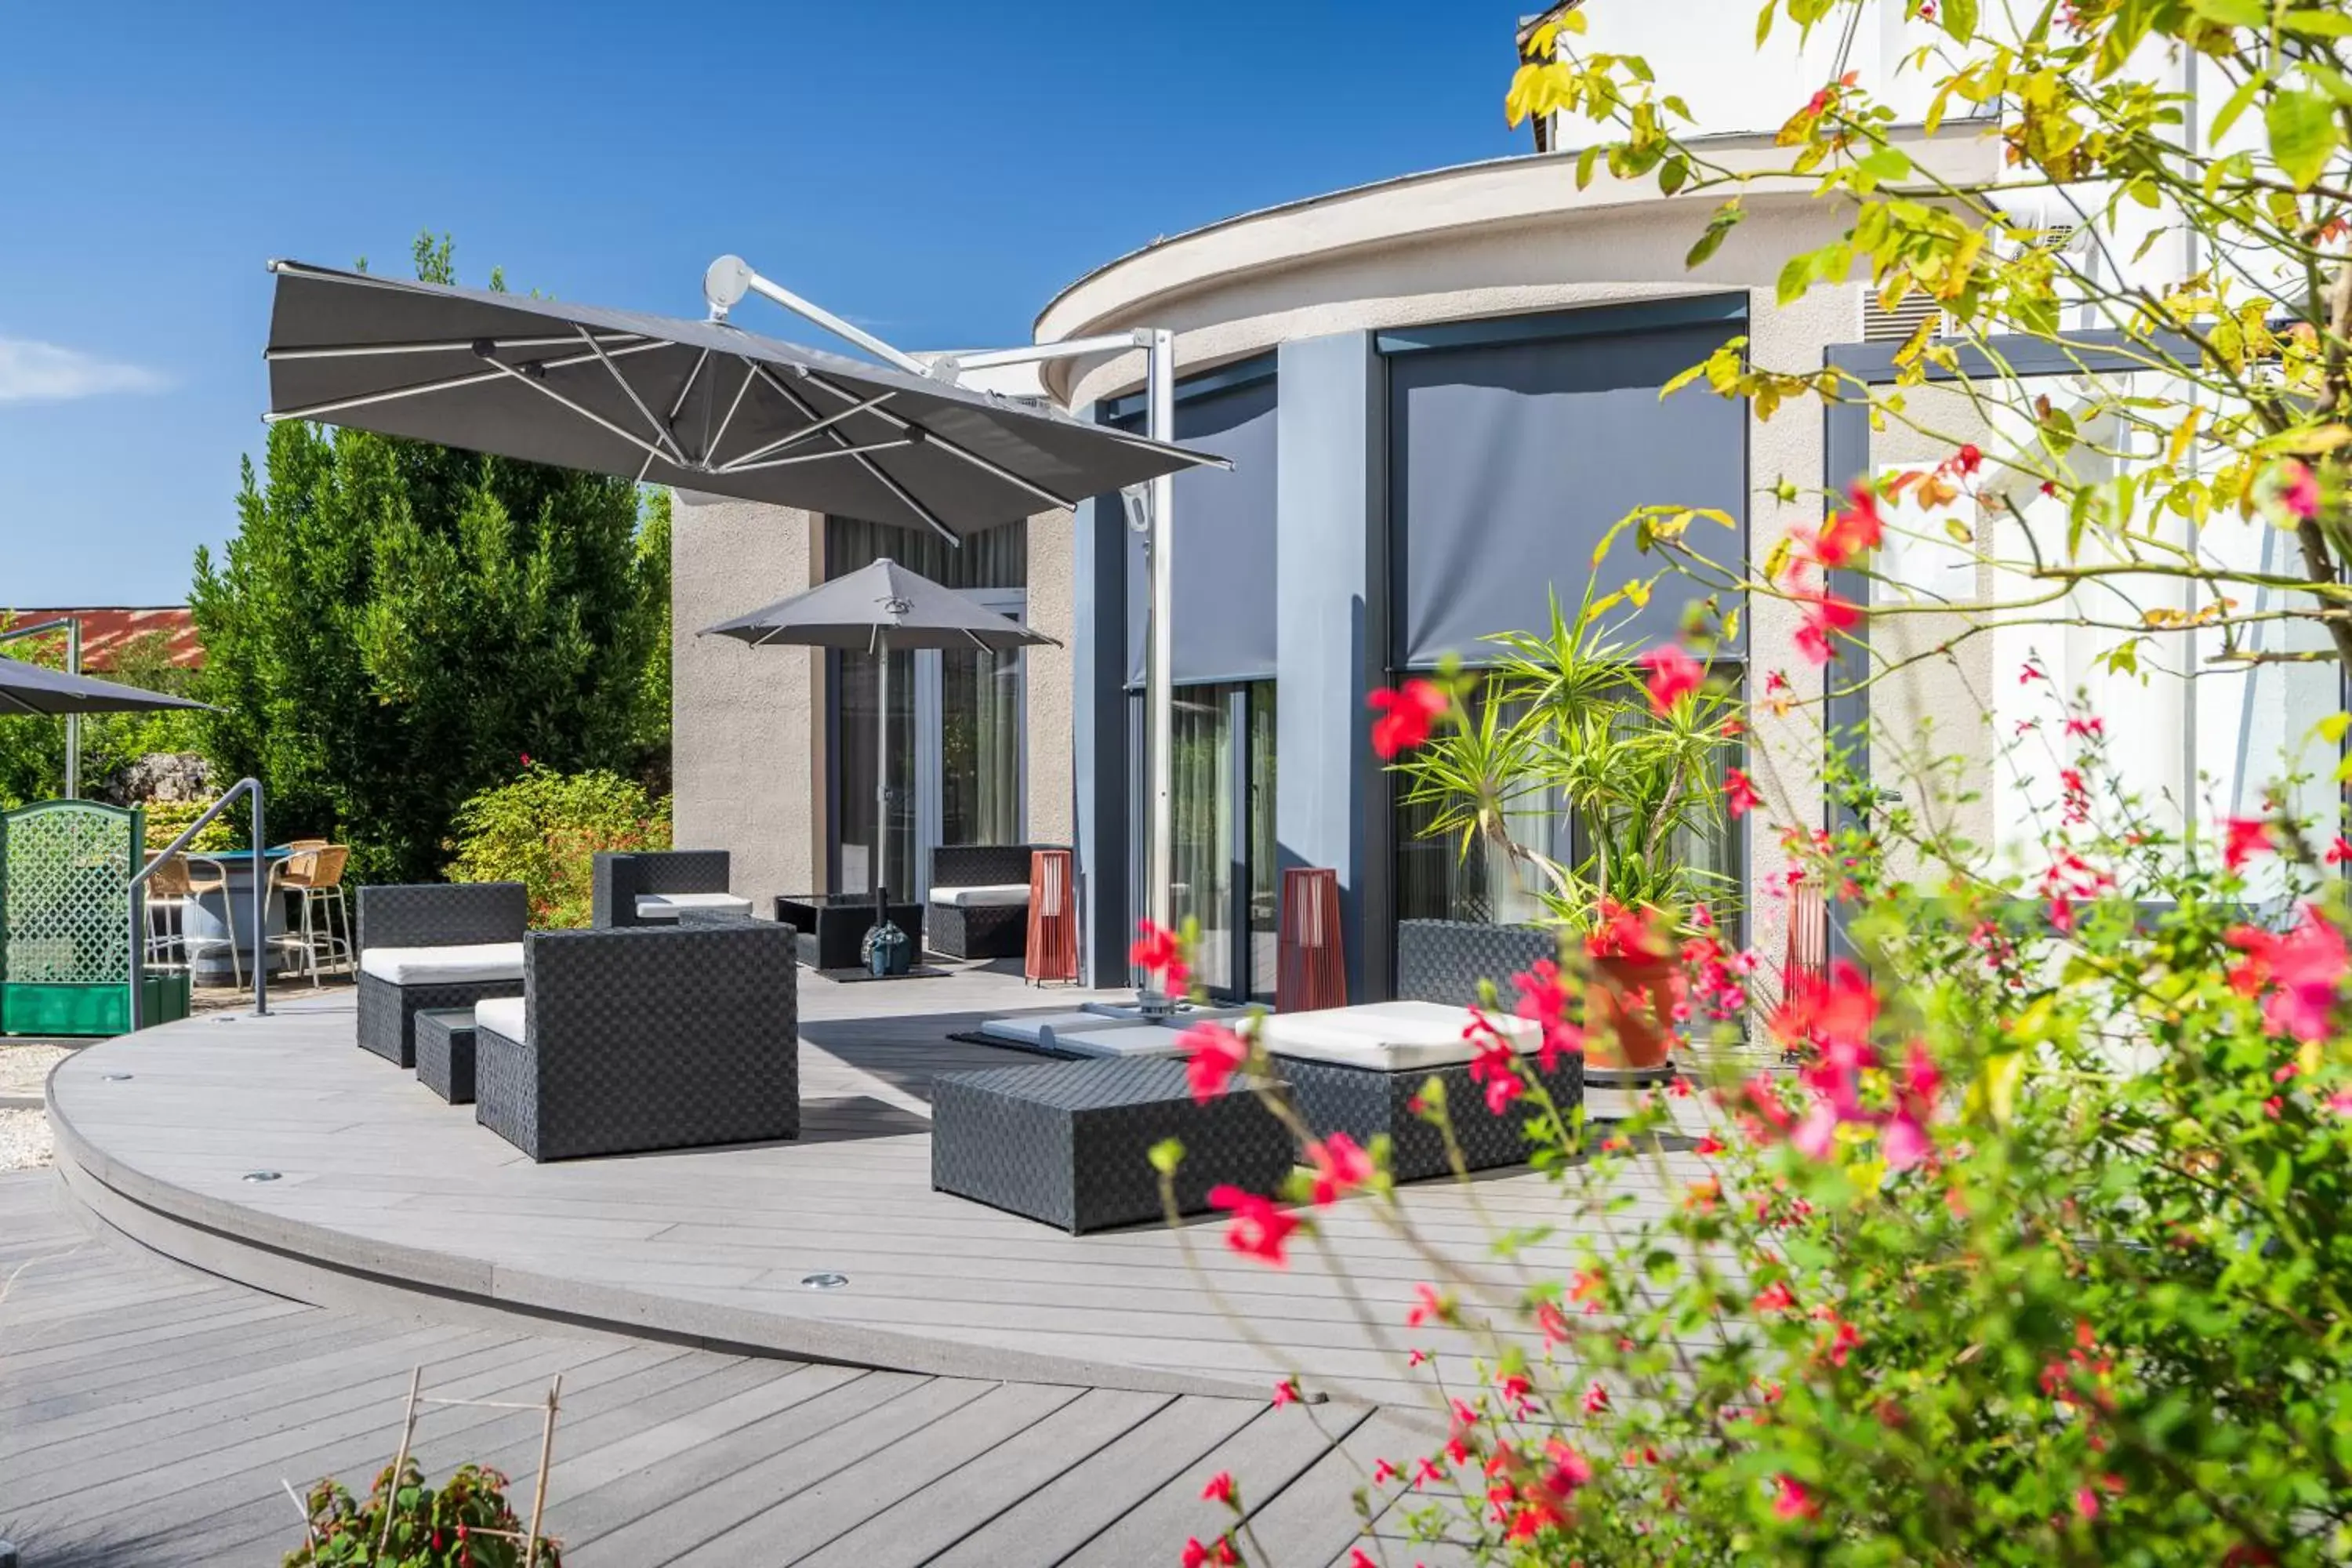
[1359, 1558]
[1791, 1501]
[1213, 1053]
[1776, 1297]
[1622, 933]
[1219, 1489]
[2340, 851]
[1851, 532]
[1432, 1303]
[1596, 1400]
[1497, 1066]
[2306, 965]
[1967, 460]
[1160, 952]
[1340, 1167]
[1826, 615]
[1674, 675]
[1738, 792]
[1708, 1144]
[1406, 715]
[1543, 1000]
[1260, 1229]
[1221, 1555]
[2247, 836]
[1286, 1393]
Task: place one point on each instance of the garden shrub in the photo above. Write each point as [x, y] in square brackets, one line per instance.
[167, 819]
[544, 829]
[465, 1523]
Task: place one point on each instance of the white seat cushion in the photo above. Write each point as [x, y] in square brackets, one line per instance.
[665, 906]
[443, 966]
[501, 1016]
[994, 896]
[1390, 1036]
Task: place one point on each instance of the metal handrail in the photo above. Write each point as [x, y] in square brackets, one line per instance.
[260, 900]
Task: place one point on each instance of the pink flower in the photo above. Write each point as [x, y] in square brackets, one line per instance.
[1774, 1298]
[1219, 1489]
[1213, 1053]
[2298, 490]
[1543, 1000]
[1596, 1400]
[1259, 1231]
[1497, 1066]
[1406, 715]
[1791, 1501]
[1220, 1555]
[1904, 1142]
[1360, 1557]
[1286, 1393]
[2246, 837]
[1674, 675]
[1431, 1303]
[1816, 1136]
[1738, 793]
[1340, 1167]
[2306, 966]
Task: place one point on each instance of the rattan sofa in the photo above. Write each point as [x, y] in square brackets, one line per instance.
[642, 1037]
[654, 886]
[435, 945]
[979, 899]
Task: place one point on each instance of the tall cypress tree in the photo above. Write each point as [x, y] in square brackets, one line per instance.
[396, 624]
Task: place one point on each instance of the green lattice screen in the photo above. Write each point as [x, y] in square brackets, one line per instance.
[65, 916]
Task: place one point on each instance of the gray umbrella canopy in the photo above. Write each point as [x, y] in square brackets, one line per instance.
[880, 605]
[880, 608]
[33, 689]
[701, 405]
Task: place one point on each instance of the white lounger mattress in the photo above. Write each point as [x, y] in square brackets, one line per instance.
[443, 966]
[665, 906]
[1390, 1036]
[501, 1016]
[993, 896]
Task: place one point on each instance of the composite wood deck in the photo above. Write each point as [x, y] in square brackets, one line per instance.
[149, 1414]
[379, 1178]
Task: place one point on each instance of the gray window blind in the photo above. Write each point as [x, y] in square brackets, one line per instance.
[1224, 544]
[1508, 461]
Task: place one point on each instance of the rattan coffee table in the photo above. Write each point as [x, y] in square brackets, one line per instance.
[1068, 1143]
[444, 1053]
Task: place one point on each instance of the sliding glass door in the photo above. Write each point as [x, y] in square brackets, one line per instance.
[1225, 870]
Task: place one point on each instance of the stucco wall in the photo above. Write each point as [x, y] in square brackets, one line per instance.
[747, 730]
[1051, 610]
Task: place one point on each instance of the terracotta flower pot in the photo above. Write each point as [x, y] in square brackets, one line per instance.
[1629, 1006]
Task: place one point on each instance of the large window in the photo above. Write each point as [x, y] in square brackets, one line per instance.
[1513, 447]
[956, 717]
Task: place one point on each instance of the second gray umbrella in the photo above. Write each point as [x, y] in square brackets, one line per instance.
[879, 608]
[35, 688]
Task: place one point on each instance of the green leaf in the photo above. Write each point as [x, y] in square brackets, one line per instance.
[2236, 106]
[1959, 18]
[1672, 175]
[2302, 134]
[2233, 13]
[2318, 24]
[1796, 277]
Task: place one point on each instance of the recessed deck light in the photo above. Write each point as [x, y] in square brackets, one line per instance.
[260, 1176]
[118, 1078]
[824, 1281]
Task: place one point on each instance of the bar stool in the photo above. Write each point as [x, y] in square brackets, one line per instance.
[314, 873]
[206, 875]
[167, 915]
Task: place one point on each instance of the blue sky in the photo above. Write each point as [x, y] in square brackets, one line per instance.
[934, 173]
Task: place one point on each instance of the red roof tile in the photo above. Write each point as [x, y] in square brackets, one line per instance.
[107, 629]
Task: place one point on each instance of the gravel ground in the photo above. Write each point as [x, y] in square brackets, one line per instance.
[24, 1139]
[24, 1067]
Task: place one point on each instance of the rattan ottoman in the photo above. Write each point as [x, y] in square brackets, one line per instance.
[1068, 1143]
[444, 1053]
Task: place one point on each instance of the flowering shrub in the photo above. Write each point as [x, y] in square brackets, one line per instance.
[466, 1524]
[544, 830]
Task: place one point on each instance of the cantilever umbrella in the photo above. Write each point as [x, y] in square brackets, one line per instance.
[701, 405]
[876, 608]
[32, 688]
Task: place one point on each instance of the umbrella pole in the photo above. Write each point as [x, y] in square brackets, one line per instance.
[881, 772]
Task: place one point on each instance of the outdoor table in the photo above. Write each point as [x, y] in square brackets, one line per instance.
[833, 926]
[210, 916]
[1069, 1144]
[444, 1052]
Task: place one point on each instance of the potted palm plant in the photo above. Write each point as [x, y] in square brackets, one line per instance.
[1557, 766]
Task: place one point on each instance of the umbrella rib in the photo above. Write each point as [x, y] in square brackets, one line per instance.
[588, 414]
[974, 458]
[885, 480]
[475, 378]
[725, 425]
[807, 431]
[858, 452]
[361, 351]
[661, 433]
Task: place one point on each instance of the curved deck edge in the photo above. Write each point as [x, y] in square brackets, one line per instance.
[314, 1264]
